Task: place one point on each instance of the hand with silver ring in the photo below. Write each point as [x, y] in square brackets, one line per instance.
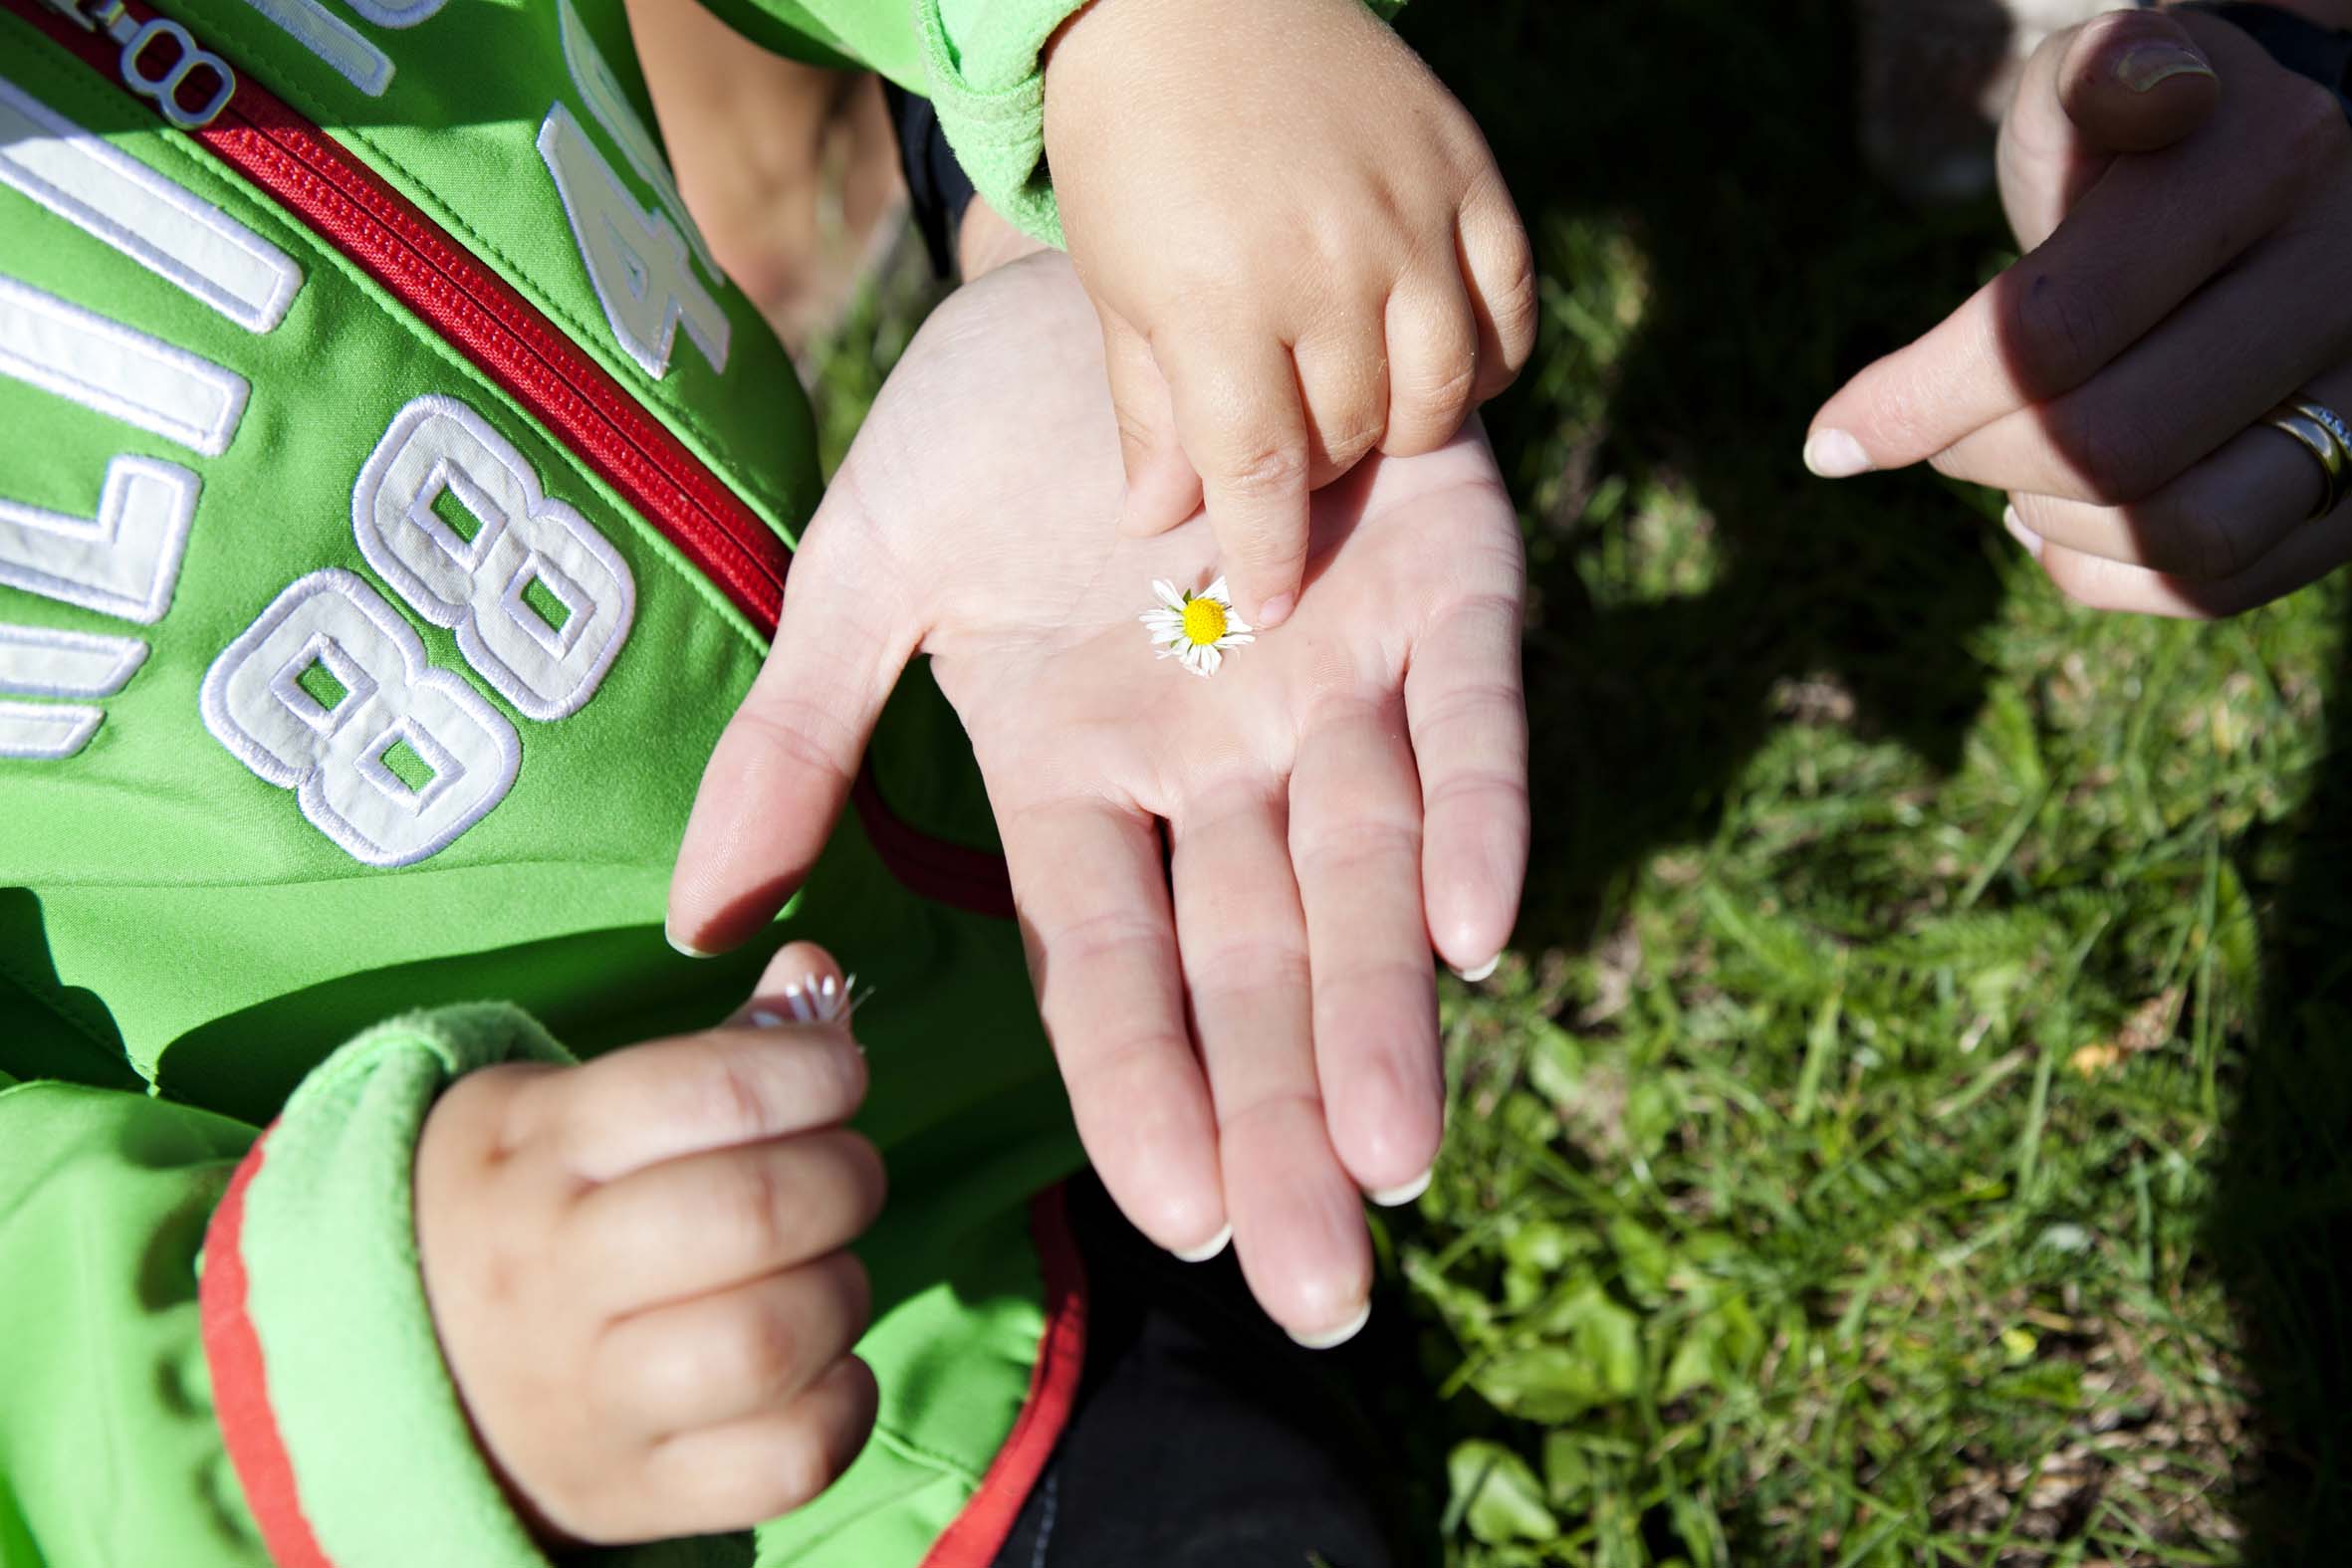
[2158, 384]
[2322, 432]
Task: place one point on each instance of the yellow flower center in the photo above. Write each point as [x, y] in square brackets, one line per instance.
[1204, 621]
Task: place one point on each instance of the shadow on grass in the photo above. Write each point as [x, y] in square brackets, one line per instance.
[1721, 139]
[2280, 1230]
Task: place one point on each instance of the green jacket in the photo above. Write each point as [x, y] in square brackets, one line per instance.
[394, 503]
[976, 60]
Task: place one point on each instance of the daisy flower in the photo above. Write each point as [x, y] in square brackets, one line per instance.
[1195, 627]
[826, 1000]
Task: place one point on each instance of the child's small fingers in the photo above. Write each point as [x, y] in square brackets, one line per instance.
[1433, 365]
[671, 1098]
[733, 1477]
[708, 1221]
[1500, 265]
[1343, 379]
[732, 1353]
[1162, 489]
[1239, 410]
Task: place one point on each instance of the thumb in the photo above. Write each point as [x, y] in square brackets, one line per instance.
[1162, 487]
[2126, 82]
[779, 775]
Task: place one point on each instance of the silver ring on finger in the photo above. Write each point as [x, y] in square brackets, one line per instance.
[2327, 436]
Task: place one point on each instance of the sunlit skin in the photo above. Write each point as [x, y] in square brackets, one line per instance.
[2185, 202]
[1245, 1017]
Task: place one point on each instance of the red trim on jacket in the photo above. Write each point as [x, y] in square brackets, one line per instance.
[971, 880]
[241, 1384]
[979, 1532]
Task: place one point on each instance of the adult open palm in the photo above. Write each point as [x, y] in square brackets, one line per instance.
[1243, 1012]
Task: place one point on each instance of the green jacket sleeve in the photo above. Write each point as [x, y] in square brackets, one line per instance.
[977, 61]
[281, 1398]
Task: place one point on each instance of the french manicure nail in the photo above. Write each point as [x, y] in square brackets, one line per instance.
[1277, 610]
[1833, 454]
[681, 945]
[1403, 1194]
[1335, 1336]
[2146, 66]
[1470, 977]
[763, 1019]
[1207, 1249]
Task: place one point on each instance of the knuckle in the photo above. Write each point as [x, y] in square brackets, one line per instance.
[759, 1347]
[1345, 855]
[1437, 399]
[752, 1203]
[1512, 302]
[857, 1289]
[1264, 469]
[2120, 460]
[2211, 547]
[869, 1174]
[2311, 128]
[2058, 330]
[735, 1095]
[1348, 440]
[1258, 967]
[802, 735]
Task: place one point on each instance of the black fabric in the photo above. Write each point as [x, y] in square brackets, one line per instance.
[2297, 42]
[1202, 1436]
[936, 187]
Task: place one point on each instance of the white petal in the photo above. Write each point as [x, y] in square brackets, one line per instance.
[1236, 623]
[1217, 590]
[1231, 640]
[1210, 659]
[1166, 593]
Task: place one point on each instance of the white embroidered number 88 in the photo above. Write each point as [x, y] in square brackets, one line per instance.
[438, 451]
[334, 757]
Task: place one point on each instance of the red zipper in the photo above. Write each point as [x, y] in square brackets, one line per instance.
[345, 203]
[311, 175]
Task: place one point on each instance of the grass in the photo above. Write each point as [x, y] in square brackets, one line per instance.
[1911, 1126]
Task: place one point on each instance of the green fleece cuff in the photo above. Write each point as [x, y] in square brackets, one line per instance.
[345, 1430]
[984, 79]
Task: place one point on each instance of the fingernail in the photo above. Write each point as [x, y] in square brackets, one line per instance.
[2146, 66]
[1398, 1197]
[1207, 1249]
[1833, 454]
[681, 944]
[1277, 610]
[2020, 532]
[1470, 977]
[1335, 1336]
[763, 1019]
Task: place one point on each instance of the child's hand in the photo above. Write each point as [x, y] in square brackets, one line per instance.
[1278, 210]
[635, 1270]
